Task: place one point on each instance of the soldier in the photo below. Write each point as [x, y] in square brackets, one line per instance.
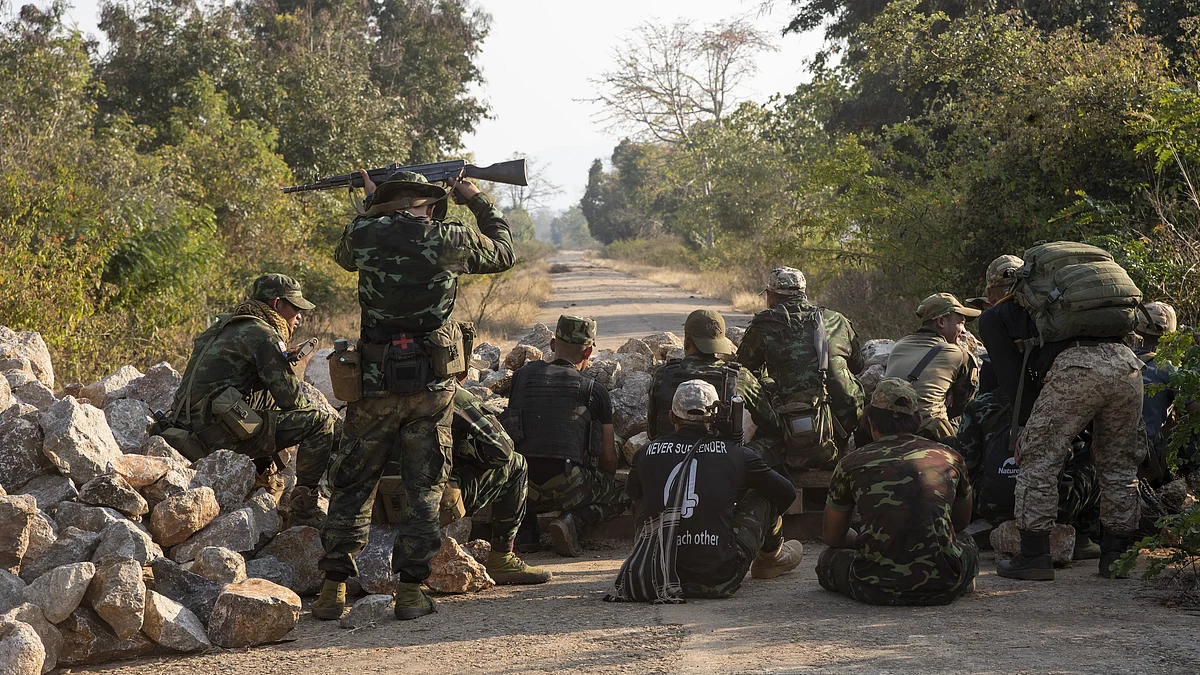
[943, 372]
[808, 367]
[730, 523]
[487, 471]
[408, 262]
[240, 392]
[913, 497]
[705, 346]
[1154, 320]
[561, 421]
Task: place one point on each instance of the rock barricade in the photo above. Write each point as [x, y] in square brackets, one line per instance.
[252, 612]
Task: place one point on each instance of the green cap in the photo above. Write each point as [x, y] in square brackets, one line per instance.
[895, 394]
[576, 330]
[408, 184]
[270, 286]
[943, 304]
[706, 328]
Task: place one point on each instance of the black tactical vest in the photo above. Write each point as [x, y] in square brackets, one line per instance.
[722, 377]
[548, 414]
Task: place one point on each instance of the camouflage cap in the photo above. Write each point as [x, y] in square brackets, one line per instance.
[895, 394]
[576, 330]
[1156, 318]
[1002, 271]
[786, 281]
[408, 184]
[943, 304]
[706, 328]
[270, 286]
[694, 400]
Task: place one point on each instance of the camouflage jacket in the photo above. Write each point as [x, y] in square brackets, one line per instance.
[479, 438]
[779, 346]
[248, 355]
[905, 488]
[748, 387]
[408, 268]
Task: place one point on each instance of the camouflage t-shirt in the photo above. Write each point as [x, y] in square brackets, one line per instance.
[905, 488]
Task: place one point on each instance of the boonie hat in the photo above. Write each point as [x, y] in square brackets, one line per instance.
[895, 394]
[694, 400]
[1156, 318]
[786, 281]
[410, 187]
[1002, 271]
[706, 328]
[576, 330]
[943, 304]
[270, 286]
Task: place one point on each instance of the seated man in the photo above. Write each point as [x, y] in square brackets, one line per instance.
[943, 372]
[707, 356]
[561, 421]
[730, 521]
[912, 495]
[241, 365]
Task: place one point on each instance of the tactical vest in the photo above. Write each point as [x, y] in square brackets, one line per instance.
[548, 414]
[722, 377]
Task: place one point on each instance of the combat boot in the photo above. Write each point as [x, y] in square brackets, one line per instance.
[1032, 562]
[412, 602]
[564, 533]
[770, 564]
[271, 480]
[1112, 545]
[304, 507]
[1085, 548]
[332, 602]
[507, 568]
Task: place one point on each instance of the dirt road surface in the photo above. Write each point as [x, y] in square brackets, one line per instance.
[1078, 623]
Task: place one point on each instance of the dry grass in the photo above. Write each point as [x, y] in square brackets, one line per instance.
[501, 305]
[727, 286]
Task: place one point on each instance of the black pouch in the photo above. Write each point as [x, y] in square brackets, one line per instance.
[406, 368]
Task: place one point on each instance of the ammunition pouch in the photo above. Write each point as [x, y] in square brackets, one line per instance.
[345, 375]
[233, 412]
[807, 429]
[445, 348]
[451, 508]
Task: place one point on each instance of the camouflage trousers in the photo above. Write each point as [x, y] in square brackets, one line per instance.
[833, 573]
[415, 430]
[590, 495]
[756, 527]
[503, 488]
[311, 429]
[1101, 384]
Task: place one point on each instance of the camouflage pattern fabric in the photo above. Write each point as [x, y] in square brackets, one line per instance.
[944, 386]
[485, 467]
[756, 527]
[780, 350]
[748, 387]
[1101, 384]
[905, 488]
[589, 494]
[835, 573]
[415, 430]
[576, 330]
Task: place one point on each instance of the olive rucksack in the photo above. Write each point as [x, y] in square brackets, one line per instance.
[1076, 291]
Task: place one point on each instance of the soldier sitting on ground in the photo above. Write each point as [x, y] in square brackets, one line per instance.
[706, 349]
[943, 372]
[240, 393]
[561, 421]
[913, 496]
[730, 521]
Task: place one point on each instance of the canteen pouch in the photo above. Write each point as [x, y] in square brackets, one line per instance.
[345, 375]
[445, 347]
[807, 431]
[236, 415]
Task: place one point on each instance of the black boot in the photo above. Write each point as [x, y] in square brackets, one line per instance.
[1033, 562]
[529, 539]
[1112, 545]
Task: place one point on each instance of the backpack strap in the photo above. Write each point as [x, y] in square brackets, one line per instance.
[924, 362]
[821, 342]
[1016, 411]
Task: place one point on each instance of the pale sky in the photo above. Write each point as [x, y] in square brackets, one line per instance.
[539, 57]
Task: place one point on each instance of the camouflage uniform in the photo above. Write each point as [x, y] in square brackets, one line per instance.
[485, 467]
[905, 488]
[408, 271]
[585, 492]
[1101, 384]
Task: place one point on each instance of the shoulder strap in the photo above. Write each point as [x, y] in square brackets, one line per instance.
[821, 342]
[924, 362]
[585, 391]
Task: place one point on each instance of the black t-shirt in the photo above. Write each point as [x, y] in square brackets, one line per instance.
[542, 469]
[717, 474]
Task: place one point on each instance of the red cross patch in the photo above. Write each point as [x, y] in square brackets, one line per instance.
[404, 342]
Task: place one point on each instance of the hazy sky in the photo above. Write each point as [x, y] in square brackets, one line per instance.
[539, 56]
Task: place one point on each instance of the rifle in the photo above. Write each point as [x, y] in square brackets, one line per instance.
[511, 172]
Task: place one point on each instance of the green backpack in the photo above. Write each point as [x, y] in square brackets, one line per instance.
[1076, 291]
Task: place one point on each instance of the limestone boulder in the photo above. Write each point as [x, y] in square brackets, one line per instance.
[876, 352]
[230, 474]
[21, 650]
[489, 354]
[84, 517]
[456, 571]
[115, 492]
[634, 363]
[42, 535]
[51, 637]
[375, 562]
[118, 595]
[371, 610]
[22, 459]
[174, 483]
[661, 343]
[73, 545]
[735, 334]
[606, 371]
[272, 569]
[234, 530]
[520, 355]
[190, 590]
[317, 375]
[157, 446]
[17, 513]
[77, 440]
[538, 337]
[633, 444]
[88, 640]
[156, 388]
[28, 345]
[253, 612]
[479, 550]
[630, 404]
[140, 470]
[636, 346]
[130, 421]
[125, 541]
[300, 547]
[12, 590]
[17, 372]
[35, 394]
[172, 625]
[268, 521]
[6, 398]
[176, 518]
[498, 381]
[59, 591]
[100, 393]
[50, 490]
[219, 565]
